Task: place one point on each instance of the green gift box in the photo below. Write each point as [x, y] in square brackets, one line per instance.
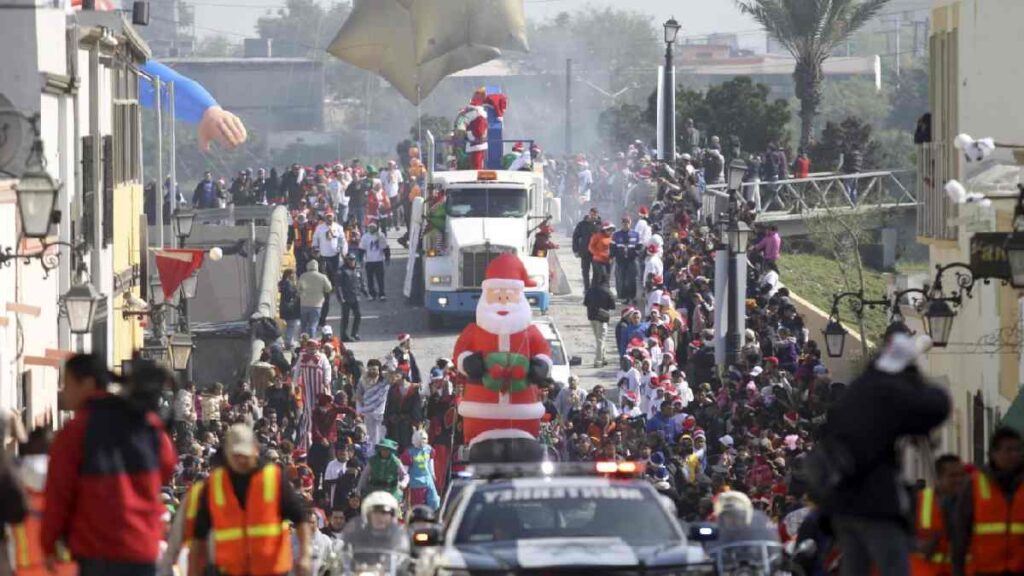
[506, 372]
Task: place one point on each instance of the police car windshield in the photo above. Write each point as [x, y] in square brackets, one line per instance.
[487, 202]
[615, 511]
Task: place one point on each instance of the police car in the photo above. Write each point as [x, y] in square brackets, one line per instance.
[579, 518]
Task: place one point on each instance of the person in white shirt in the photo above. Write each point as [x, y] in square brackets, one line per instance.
[375, 254]
[392, 180]
[336, 193]
[336, 468]
[329, 242]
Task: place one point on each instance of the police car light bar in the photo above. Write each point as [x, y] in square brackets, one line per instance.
[501, 471]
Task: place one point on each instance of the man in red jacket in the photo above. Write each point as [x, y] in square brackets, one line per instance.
[106, 469]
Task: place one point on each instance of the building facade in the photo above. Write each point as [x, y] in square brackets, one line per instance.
[77, 72]
[972, 75]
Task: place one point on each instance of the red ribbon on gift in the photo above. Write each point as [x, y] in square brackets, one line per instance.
[506, 374]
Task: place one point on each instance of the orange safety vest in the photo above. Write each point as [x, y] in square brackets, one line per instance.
[254, 541]
[29, 559]
[930, 524]
[997, 543]
[191, 513]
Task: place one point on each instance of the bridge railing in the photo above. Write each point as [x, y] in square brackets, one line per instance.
[234, 214]
[799, 195]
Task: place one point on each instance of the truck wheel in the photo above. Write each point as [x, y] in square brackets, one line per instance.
[435, 321]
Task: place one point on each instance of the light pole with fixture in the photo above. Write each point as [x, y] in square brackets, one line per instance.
[668, 94]
[733, 237]
[79, 305]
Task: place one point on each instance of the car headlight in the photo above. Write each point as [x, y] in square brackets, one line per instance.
[440, 280]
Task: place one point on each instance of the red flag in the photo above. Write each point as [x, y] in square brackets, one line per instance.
[175, 265]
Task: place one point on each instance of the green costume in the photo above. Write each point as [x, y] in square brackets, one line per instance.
[384, 471]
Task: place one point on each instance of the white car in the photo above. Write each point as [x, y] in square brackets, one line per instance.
[561, 362]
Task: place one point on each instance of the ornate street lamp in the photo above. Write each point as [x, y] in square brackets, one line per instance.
[36, 194]
[79, 305]
[938, 319]
[184, 218]
[188, 286]
[737, 170]
[181, 350]
[672, 28]
[835, 338]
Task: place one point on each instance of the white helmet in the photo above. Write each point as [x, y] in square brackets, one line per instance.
[379, 499]
[735, 505]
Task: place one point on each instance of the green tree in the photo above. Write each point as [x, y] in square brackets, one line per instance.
[439, 126]
[810, 30]
[623, 124]
[853, 97]
[841, 139]
[738, 107]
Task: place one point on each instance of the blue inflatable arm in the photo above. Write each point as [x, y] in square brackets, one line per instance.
[191, 100]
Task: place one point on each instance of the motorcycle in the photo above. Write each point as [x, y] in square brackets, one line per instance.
[754, 558]
[343, 560]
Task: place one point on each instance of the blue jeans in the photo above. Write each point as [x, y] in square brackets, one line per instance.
[310, 319]
[359, 214]
[291, 335]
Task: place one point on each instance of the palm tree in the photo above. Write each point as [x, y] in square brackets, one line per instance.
[810, 30]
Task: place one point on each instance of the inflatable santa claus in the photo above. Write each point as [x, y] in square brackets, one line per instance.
[503, 357]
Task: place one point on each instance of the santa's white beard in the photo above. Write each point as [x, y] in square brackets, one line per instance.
[516, 320]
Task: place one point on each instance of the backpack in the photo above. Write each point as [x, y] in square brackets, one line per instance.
[826, 468]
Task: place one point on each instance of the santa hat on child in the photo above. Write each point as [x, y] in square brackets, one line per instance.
[403, 337]
[508, 272]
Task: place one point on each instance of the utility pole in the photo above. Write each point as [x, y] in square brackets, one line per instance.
[172, 200]
[157, 99]
[568, 105]
[898, 24]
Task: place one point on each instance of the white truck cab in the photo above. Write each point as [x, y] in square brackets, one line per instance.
[487, 213]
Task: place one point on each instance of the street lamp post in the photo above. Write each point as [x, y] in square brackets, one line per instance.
[668, 94]
[734, 234]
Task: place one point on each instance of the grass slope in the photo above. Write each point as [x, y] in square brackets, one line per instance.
[816, 278]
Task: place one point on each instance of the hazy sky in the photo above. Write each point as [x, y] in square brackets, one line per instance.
[237, 18]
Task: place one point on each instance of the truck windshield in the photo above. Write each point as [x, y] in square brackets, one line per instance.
[487, 202]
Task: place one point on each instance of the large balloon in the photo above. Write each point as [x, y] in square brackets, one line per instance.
[383, 36]
[444, 25]
[503, 357]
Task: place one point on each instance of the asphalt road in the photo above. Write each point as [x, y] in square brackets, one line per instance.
[384, 321]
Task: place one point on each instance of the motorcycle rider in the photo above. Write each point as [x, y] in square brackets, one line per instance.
[377, 530]
[739, 525]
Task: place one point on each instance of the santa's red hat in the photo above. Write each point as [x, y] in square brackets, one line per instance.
[507, 271]
[403, 337]
[517, 147]
[643, 211]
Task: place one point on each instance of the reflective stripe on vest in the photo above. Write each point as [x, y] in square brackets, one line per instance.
[192, 511]
[28, 550]
[251, 537]
[997, 545]
[927, 501]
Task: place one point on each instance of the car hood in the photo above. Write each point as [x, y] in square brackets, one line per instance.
[574, 552]
[497, 231]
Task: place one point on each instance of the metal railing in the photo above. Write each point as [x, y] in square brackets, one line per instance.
[934, 169]
[802, 195]
[232, 214]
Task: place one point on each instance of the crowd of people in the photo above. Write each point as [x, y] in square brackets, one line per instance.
[357, 441]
